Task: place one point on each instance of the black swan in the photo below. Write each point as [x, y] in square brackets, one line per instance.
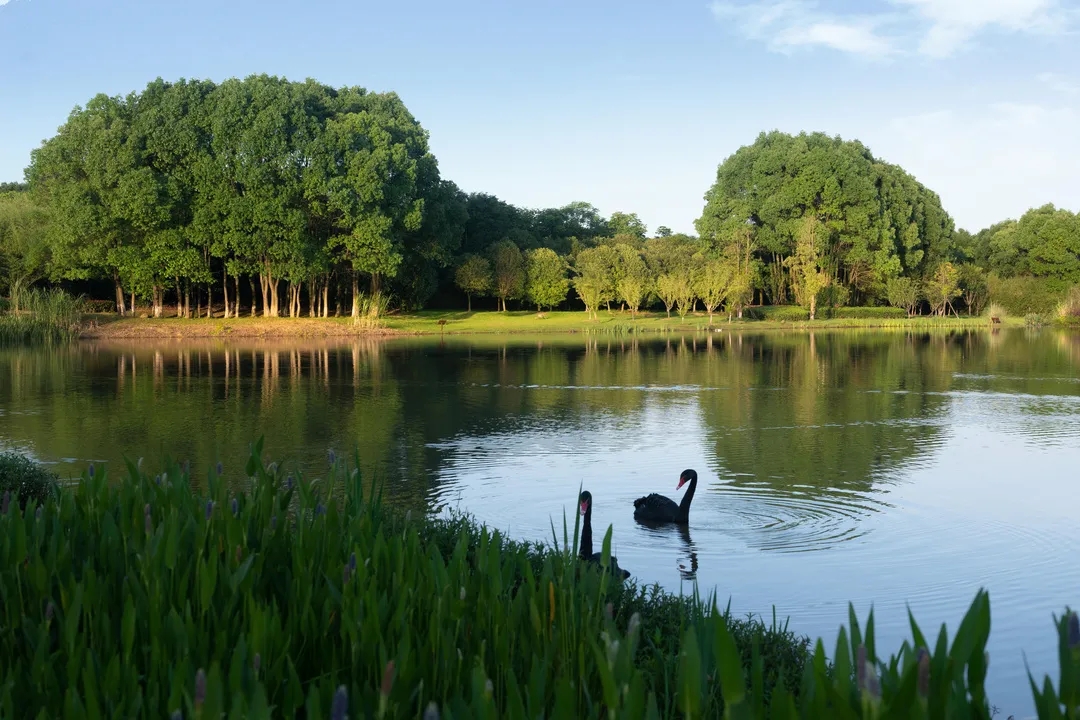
[657, 508]
[586, 551]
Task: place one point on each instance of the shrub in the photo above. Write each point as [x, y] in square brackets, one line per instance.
[1068, 310]
[1023, 295]
[25, 479]
[869, 313]
[5, 305]
[778, 313]
[100, 306]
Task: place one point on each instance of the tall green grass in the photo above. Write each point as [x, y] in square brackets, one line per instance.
[280, 597]
[45, 317]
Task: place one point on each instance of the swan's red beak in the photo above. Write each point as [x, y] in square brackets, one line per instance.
[584, 507]
[682, 481]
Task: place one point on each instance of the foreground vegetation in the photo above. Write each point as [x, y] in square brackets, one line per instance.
[273, 595]
[44, 317]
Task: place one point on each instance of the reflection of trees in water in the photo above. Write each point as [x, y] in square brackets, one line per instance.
[816, 417]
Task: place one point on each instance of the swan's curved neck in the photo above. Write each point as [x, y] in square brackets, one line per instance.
[684, 506]
[585, 541]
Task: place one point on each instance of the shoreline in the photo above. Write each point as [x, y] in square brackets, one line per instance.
[438, 323]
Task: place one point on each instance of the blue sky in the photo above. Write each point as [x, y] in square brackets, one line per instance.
[628, 105]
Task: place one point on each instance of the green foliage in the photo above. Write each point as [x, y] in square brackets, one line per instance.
[594, 279]
[546, 283]
[508, 271]
[808, 279]
[46, 317]
[24, 243]
[473, 276]
[25, 479]
[942, 287]
[154, 595]
[1068, 311]
[1023, 294]
[779, 313]
[633, 279]
[868, 313]
[880, 222]
[903, 293]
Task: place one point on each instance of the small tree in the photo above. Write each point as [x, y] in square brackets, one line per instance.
[942, 287]
[711, 283]
[975, 287]
[593, 282]
[807, 277]
[473, 276]
[508, 265]
[545, 278]
[903, 292]
[633, 283]
[667, 289]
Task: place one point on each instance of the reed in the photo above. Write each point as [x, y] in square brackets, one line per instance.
[45, 317]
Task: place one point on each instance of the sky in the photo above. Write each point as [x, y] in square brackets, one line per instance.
[628, 105]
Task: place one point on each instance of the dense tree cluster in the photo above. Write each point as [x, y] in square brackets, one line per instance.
[302, 197]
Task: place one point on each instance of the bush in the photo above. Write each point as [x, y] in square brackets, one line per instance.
[25, 479]
[5, 305]
[869, 313]
[100, 306]
[778, 313]
[1023, 295]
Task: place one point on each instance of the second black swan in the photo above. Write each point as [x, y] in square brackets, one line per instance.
[657, 508]
[586, 551]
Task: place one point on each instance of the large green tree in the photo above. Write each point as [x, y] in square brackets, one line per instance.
[880, 223]
[546, 283]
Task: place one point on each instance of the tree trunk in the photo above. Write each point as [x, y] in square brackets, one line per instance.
[132, 303]
[179, 298]
[225, 290]
[120, 308]
[326, 298]
[236, 310]
[356, 294]
[254, 302]
[187, 299]
[264, 286]
[469, 296]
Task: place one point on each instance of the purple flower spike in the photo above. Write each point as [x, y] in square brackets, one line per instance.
[289, 483]
[200, 689]
[331, 456]
[37, 513]
[319, 509]
[273, 522]
[1074, 630]
[432, 712]
[352, 561]
[209, 508]
[90, 470]
[149, 523]
[235, 507]
[187, 467]
[50, 609]
[341, 704]
[5, 502]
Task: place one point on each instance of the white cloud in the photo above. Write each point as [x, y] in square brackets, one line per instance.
[936, 28]
[1059, 83]
[788, 24]
[988, 163]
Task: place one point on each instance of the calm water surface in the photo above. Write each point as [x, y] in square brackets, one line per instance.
[885, 468]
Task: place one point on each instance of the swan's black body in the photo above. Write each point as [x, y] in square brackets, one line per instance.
[586, 552]
[659, 509]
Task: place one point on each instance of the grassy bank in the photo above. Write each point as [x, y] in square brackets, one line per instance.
[459, 322]
[293, 599]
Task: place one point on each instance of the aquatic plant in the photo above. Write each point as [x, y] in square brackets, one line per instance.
[141, 598]
[45, 317]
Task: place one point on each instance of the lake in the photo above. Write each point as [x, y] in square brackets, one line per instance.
[885, 468]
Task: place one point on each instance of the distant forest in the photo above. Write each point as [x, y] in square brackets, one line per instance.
[265, 196]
